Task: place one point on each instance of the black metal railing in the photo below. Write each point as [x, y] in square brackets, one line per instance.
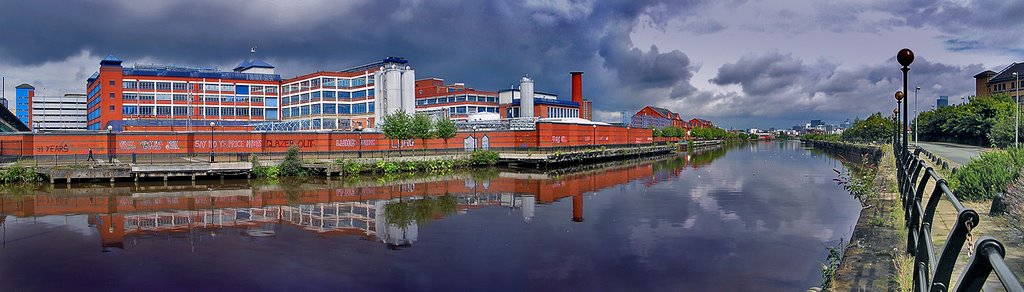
[931, 273]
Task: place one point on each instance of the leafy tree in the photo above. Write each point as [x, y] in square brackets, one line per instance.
[292, 165]
[873, 129]
[655, 132]
[396, 126]
[444, 129]
[422, 128]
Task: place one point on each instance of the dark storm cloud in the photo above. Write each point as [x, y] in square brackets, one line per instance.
[783, 87]
[487, 44]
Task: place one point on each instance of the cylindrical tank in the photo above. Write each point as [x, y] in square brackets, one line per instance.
[409, 90]
[526, 99]
[577, 86]
[393, 86]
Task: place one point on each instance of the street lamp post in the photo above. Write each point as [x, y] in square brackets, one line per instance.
[1016, 114]
[905, 57]
[359, 129]
[595, 136]
[916, 136]
[110, 143]
[475, 140]
[895, 126]
[900, 139]
[212, 144]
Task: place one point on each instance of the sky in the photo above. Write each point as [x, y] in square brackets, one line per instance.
[741, 64]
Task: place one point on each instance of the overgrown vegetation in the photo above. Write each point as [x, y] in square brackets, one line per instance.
[988, 175]
[831, 264]
[292, 165]
[17, 173]
[1013, 201]
[476, 158]
[261, 171]
[984, 121]
[483, 157]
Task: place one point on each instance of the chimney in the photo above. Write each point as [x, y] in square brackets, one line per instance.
[577, 86]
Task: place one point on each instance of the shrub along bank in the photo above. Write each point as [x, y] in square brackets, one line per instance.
[292, 166]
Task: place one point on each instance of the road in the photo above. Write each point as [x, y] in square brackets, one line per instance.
[956, 153]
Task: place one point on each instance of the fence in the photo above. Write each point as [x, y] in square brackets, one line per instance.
[234, 146]
[986, 255]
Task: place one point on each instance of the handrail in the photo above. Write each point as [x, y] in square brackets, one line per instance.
[931, 273]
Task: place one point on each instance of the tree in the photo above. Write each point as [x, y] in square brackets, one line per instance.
[655, 132]
[396, 126]
[292, 165]
[445, 129]
[873, 129]
[422, 128]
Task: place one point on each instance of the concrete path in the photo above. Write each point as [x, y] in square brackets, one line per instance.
[956, 153]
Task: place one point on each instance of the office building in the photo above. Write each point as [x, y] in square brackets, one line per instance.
[942, 101]
[455, 101]
[23, 95]
[53, 113]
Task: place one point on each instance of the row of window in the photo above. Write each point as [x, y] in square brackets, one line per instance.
[328, 108]
[561, 112]
[170, 111]
[183, 97]
[326, 95]
[456, 98]
[471, 109]
[327, 82]
[182, 86]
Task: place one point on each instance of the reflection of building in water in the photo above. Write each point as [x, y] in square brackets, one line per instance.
[331, 209]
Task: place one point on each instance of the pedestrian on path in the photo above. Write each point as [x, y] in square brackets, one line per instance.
[90, 156]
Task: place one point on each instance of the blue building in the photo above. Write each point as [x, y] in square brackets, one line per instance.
[23, 103]
[942, 102]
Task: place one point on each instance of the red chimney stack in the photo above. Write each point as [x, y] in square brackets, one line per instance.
[577, 86]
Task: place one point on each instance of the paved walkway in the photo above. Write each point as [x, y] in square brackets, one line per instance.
[956, 153]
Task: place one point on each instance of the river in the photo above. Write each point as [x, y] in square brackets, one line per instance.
[744, 217]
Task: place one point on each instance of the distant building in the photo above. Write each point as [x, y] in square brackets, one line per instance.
[526, 102]
[656, 117]
[455, 101]
[942, 101]
[66, 112]
[23, 95]
[696, 123]
[816, 123]
[989, 82]
[587, 110]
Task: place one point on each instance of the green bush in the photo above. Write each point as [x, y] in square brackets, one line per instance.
[352, 168]
[292, 165]
[483, 157]
[16, 173]
[988, 175]
[873, 129]
[263, 171]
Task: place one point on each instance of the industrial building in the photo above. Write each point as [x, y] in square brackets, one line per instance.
[50, 113]
[456, 101]
[526, 102]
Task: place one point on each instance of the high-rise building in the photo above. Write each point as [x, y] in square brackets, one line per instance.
[942, 101]
[59, 112]
[23, 95]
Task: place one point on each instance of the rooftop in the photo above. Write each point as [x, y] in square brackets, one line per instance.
[1007, 74]
[252, 63]
[25, 86]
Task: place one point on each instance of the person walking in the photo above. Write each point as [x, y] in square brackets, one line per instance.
[90, 156]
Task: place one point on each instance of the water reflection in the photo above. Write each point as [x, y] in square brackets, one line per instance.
[388, 211]
[739, 218]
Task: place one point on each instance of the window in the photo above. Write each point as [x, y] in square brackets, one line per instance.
[270, 102]
[359, 108]
[295, 111]
[270, 90]
[330, 108]
[146, 110]
[129, 110]
[129, 84]
[242, 89]
[358, 82]
[146, 85]
[328, 82]
[163, 86]
[212, 112]
[145, 97]
[180, 111]
[257, 112]
[344, 109]
[112, 83]
[227, 111]
[111, 95]
[242, 112]
[359, 94]
[180, 97]
[227, 87]
[129, 96]
[460, 98]
[314, 83]
[369, 92]
[305, 110]
[257, 99]
[344, 83]
[211, 87]
[286, 113]
[164, 97]
[111, 108]
[256, 89]
[163, 110]
[370, 105]
[271, 114]
[315, 109]
[180, 86]
[344, 95]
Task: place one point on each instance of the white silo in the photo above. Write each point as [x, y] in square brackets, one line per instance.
[408, 90]
[526, 97]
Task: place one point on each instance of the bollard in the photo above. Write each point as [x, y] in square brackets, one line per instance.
[998, 206]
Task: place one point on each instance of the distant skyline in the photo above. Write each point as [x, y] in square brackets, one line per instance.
[742, 64]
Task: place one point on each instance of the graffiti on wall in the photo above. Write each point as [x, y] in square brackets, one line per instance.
[352, 142]
[148, 145]
[227, 144]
